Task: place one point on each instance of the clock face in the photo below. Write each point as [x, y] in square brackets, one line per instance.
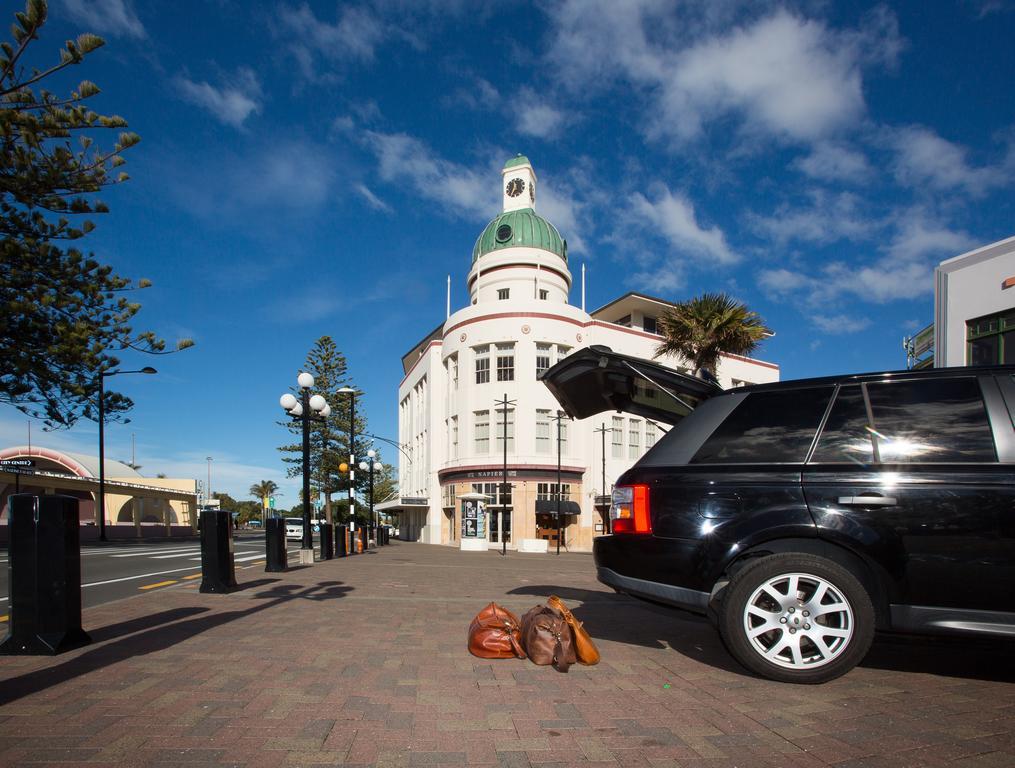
[515, 187]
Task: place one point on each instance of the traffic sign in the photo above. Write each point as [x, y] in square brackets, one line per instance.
[17, 463]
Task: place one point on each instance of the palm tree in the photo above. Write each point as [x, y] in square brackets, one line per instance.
[703, 329]
[264, 489]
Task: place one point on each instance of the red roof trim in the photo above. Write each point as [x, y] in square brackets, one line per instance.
[539, 268]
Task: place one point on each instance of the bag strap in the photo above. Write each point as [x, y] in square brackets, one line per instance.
[560, 662]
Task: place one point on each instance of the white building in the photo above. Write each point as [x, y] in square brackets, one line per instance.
[974, 307]
[519, 323]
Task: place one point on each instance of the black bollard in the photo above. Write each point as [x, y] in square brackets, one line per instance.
[276, 559]
[340, 540]
[327, 531]
[218, 573]
[43, 576]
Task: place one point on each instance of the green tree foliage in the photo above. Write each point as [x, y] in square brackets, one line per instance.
[706, 327]
[246, 510]
[63, 316]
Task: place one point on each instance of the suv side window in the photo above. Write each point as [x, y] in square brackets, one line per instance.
[931, 420]
[767, 427]
[846, 438]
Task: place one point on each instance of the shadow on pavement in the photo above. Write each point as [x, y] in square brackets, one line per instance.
[129, 627]
[609, 616]
[983, 659]
[253, 584]
[155, 638]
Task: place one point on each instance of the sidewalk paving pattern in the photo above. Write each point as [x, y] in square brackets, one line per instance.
[363, 661]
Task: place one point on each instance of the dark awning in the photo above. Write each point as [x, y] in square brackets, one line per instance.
[549, 507]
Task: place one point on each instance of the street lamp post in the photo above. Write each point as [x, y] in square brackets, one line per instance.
[369, 466]
[308, 408]
[102, 443]
[352, 452]
[504, 485]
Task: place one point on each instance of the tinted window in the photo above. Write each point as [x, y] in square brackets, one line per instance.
[767, 427]
[846, 438]
[930, 421]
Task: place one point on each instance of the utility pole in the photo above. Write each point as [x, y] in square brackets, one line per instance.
[602, 433]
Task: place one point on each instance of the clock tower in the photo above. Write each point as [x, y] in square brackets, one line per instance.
[519, 184]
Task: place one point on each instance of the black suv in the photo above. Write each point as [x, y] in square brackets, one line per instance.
[802, 516]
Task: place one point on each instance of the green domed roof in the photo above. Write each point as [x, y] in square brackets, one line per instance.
[516, 161]
[520, 228]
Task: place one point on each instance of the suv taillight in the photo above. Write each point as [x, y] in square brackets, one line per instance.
[630, 510]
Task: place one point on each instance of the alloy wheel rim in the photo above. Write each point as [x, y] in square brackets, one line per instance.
[798, 621]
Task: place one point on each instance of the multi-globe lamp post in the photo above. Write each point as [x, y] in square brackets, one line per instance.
[307, 408]
[372, 466]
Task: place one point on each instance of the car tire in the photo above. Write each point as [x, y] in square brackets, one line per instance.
[796, 618]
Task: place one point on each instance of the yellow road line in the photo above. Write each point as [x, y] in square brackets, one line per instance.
[159, 584]
[3, 618]
[192, 576]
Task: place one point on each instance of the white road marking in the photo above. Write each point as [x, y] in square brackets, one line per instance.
[152, 552]
[177, 554]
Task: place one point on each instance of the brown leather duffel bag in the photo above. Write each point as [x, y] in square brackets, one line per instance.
[547, 638]
[584, 648]
[495, 633]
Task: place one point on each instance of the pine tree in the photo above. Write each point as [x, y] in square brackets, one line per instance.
[63, 315]
[329, 441]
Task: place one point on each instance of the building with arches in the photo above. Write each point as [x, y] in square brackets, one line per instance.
[136, 506]
[518, 323]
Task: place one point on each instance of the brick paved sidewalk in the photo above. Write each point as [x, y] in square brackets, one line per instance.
[362, 661]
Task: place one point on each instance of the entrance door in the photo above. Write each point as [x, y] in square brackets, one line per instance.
[499, 525]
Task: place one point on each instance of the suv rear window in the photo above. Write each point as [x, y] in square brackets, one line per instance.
[930, 420]
[767, 427]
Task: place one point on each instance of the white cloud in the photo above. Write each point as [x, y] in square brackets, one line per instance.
[840, 324]
[537, 117]
[904, 271]
[790, 76]
[354, 36]
[673, 217]
[925, 159]
[372, 200]
[827, 218]
[232, 103]
[828, 161]
[459, 189]
[110, 17]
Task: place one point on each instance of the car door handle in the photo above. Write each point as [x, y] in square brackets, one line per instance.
[868, 501]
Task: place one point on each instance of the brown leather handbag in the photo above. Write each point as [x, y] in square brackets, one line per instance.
[495, 633]
[547, 638]
[584, 648]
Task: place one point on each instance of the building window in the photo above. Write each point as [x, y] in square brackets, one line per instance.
[505, 362]
[649, 324]
[482, 431]
[650, 434]
[633, 438]
[453, 372]
[543, 352]
[991, 340]
[542, 431]
[482, 363]
[562, 352]
[544, 294]
[448, 496]
[562, 435]
[499, 430]
[503, 293]
[548, 491]
[454, 437]
[624, 321]
[617, 435]
[734, 383]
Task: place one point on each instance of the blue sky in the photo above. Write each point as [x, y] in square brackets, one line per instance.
[320, 168]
